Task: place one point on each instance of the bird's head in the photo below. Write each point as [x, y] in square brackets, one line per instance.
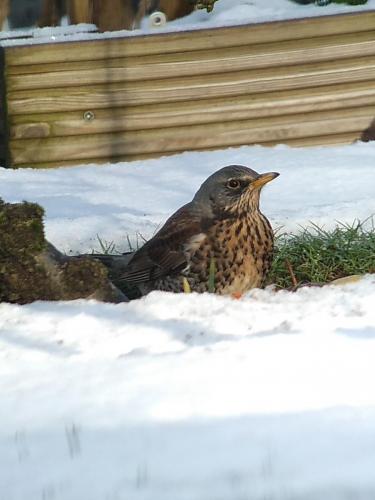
[232, 190]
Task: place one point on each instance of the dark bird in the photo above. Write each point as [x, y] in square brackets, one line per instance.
[219, 238]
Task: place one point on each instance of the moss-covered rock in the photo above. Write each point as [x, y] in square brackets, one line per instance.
[33, 269]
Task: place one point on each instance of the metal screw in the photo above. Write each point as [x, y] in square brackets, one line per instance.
[158, 19]
[88, 116]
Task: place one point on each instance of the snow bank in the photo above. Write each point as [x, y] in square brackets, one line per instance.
[191, 397]
[178, 397]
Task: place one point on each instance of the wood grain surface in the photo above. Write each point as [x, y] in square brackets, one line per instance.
[298, 82]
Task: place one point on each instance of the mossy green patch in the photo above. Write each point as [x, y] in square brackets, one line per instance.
[32, 269]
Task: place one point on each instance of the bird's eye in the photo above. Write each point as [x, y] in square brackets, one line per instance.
[233, 184]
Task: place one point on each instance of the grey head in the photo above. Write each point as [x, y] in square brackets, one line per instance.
[231, 189]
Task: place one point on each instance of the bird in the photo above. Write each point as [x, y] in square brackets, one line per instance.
[220, 241]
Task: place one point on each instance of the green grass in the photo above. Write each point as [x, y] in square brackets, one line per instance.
[105, 247]
[109, 247]
[317, 256]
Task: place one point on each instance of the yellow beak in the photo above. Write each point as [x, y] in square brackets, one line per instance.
[263, 179]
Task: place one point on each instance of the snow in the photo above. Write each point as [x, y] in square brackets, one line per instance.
[225, 13]
[176, 397]
[191, 397]
[130, 201]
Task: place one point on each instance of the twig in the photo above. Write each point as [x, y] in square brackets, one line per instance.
[291, 272]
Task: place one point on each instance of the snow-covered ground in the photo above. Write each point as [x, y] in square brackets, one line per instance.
[225, 13]
[191, 397]
[131, 200]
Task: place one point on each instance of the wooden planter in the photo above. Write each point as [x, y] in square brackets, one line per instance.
[299, 82]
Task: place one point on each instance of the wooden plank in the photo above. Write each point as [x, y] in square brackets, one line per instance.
[334, 139]
[183, 138]
[340, 96]
[322, 140]
[79, 11]
[347, 41]
[3, 114]
[282, 49]
[4, 11]
[192, 40]
[196, 87]
[198, 63]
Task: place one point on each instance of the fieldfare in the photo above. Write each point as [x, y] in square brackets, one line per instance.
[219, 242]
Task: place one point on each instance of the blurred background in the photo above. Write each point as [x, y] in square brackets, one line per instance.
[108, 15]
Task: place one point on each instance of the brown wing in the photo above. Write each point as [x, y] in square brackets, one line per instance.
[164, 253]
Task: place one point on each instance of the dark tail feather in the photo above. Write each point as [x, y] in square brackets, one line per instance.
[116, 264]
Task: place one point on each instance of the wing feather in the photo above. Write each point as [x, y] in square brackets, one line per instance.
[165, 253]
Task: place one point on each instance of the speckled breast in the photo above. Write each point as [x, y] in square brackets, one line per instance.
[242, 252]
